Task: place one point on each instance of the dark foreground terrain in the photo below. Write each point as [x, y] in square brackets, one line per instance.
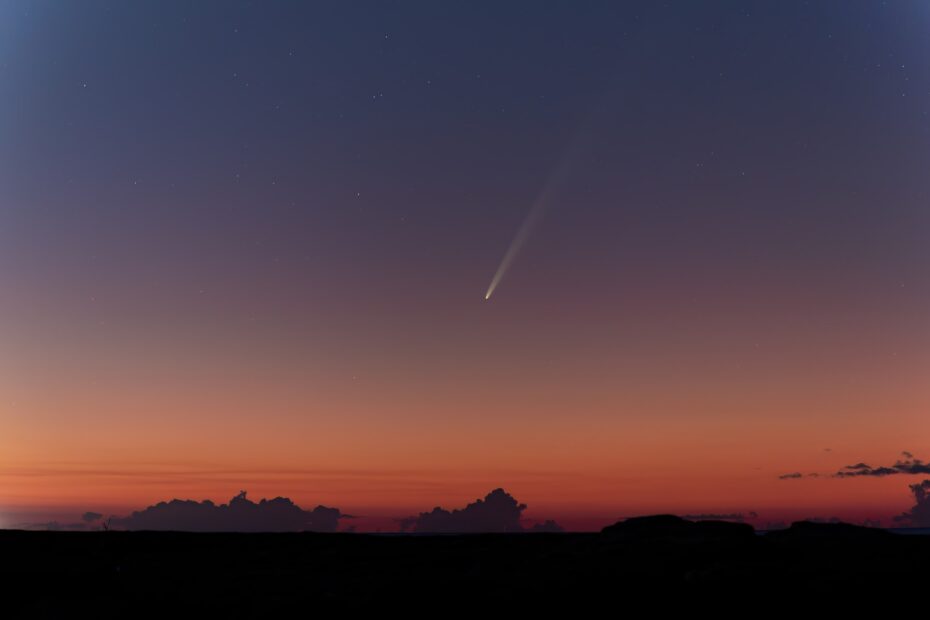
[663, 562]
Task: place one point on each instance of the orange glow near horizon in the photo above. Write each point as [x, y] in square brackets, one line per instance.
[227, 265]
[689, 448]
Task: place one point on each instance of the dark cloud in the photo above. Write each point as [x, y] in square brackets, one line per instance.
[824, 520]
[909, 465]
[73, 526]
[547, 526]
[90, 517]
[849, 472]
[713, 516]
[497, 512]
[407, 524]
[912, 466]
[919, 514]
[239, 515]
[51, 526]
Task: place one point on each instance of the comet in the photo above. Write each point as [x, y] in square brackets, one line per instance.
[519, 240]
[533, 217]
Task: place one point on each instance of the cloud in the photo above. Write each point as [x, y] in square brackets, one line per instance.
[796, 475]
[548, 526]
[90, 517]
[919, 514]
[239, 515]
[909, 465]
[824, 520]
[713, 516]
[497, 512]
[51, 526]
[850, 472]
[912, 466]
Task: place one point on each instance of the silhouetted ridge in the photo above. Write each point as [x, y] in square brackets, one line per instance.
[806, 530]
[674, 528]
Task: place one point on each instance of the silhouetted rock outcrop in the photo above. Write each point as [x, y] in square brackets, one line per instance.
[675, 529]
[808, 530]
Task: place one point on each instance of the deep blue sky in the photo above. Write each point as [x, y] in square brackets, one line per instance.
[280, 219]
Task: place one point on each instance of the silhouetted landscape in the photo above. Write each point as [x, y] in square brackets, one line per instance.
[247, 558]
[662, 560]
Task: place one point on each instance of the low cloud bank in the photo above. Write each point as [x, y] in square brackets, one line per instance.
[919, 514]
[239, 515]
[716, 516]
[497, 512]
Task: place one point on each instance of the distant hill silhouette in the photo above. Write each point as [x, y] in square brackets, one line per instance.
[673, 528]
[804, 530]
[655, 562]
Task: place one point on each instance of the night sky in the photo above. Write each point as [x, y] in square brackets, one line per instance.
[248, 246]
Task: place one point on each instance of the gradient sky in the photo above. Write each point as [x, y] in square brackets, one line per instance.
[247, 245]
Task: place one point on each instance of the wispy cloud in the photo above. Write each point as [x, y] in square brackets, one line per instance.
[907, 465]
